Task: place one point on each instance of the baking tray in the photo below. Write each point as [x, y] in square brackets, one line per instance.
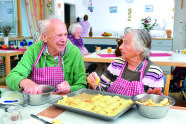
[92, 92]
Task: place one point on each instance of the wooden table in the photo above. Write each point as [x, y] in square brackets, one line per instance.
[7, 55]
[177, 59]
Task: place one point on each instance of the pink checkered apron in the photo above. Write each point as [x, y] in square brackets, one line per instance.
[47, 75]
[125, 87]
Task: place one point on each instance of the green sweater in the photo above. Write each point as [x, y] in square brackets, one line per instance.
[73, 64]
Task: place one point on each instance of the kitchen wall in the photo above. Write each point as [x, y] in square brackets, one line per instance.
[102, 20]
[179, 35]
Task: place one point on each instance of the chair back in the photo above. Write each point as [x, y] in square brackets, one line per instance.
[167, 79]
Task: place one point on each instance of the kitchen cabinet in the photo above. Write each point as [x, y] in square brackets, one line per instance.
[163, 44]
[103, 42]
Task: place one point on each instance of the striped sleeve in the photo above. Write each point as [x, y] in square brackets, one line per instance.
[153, 78]
[110, 74]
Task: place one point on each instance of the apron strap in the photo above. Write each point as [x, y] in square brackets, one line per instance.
[42, 49]
[59, 60]
[121, 72]
[143, 70]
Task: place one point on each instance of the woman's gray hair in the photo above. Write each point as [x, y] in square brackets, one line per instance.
[141, 40]
[45, 24]
[73, 27]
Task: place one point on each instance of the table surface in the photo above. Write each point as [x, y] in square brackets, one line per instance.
[177, 59]
[7, 54]
[174, 115]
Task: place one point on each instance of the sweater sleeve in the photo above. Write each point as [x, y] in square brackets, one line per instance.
[77, 77]
[21, 71]
[110, 74]
[153, 78]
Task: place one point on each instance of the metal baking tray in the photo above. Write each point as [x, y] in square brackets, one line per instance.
[92, 92]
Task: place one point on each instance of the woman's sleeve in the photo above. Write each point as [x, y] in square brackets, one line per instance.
[84, 51]
[153, 78]
[109, 76]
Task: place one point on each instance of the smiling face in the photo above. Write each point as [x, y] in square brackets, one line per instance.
[55, 37]
[77, 33]
[127, 49]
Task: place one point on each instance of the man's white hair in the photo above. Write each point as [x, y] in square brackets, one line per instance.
[73, 27]
[44, 24]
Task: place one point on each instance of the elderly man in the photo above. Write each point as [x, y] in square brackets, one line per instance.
[53, 61]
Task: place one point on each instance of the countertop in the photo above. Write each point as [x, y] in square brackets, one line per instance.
[114, 37]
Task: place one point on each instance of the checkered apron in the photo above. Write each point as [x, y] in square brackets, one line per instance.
[47, 75]
[125, 87]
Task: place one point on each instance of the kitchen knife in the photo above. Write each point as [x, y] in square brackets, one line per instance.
[40, 119]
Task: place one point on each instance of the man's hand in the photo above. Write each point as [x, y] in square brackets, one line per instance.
[30, 87]
[156, 91]
[63, 87]
[92, 80]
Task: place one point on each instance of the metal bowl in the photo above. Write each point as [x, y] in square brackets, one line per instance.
[154, 112]
[39, 99]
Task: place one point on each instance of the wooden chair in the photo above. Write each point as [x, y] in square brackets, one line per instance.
[167, 79]
[2, 71]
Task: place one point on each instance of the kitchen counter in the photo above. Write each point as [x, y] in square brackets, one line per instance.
[114, 37]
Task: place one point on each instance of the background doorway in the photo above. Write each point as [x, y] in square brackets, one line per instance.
[70, 14]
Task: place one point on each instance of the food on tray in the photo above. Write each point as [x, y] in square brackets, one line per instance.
[97, 81]
[149, 102]
[105, 105]
[57, 121]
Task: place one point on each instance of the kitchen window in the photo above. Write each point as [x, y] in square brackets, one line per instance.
[8, 12]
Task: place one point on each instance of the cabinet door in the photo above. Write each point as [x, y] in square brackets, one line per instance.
[162, 45]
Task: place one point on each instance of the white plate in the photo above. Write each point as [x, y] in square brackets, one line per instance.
[11, 96]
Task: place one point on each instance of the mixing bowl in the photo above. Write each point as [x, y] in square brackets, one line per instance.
[154, 112]
[39, 99]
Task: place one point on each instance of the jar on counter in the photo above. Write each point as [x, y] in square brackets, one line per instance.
[98, 50]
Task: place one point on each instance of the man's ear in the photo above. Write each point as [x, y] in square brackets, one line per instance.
[44, 37]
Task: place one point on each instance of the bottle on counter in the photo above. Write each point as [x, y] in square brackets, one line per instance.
[98, 50]
[180, 51]
[90, 33]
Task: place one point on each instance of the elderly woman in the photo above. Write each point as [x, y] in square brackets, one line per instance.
[133, 73]
[75, 38]
[49, 62]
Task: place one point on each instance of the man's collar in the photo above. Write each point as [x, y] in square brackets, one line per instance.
[63, 52]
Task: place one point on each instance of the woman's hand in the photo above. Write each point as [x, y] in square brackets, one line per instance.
[156, 91]
[92, 80]
[63, 87]
[30, 87]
